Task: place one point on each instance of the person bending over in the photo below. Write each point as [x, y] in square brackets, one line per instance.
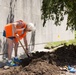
[13, 33]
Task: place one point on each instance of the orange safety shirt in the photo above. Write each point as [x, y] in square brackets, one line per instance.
[9, 31]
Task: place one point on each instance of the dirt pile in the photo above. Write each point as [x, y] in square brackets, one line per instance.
[43, 63]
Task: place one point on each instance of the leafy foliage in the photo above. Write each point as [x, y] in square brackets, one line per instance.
[56, 9]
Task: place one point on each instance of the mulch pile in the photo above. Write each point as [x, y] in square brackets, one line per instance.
[44, 63]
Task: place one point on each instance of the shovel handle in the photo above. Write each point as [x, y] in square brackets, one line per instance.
[22, 44]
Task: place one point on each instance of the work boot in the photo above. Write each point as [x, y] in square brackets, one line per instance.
[11, 64]
[17, 60]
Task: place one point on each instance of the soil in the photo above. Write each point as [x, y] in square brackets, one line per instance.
[45, 63]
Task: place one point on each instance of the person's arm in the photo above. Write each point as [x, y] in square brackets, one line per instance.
[14, 28]
[21, 29]
[25, 42]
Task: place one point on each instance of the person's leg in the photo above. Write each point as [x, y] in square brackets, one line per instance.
[16, 59]
[16, 48]
[10, 48]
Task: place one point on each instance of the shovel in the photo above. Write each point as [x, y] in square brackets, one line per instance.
[22, 45]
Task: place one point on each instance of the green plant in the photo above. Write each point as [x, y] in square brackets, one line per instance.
[58, 43]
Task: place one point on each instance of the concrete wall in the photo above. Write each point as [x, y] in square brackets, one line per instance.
[30, 11]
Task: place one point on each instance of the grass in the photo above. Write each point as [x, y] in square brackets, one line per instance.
[58, 43]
